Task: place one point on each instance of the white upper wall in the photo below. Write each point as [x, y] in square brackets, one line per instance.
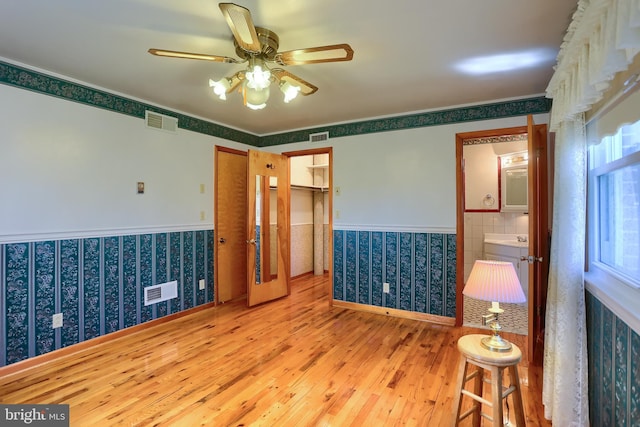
[402, 179]
[67, 168]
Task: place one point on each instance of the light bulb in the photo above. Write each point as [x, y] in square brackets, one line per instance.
[258, 78]
[290, 92]
[220, 87]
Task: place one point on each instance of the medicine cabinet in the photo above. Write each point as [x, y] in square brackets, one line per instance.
[514, 183]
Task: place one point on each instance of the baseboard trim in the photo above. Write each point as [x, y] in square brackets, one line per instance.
[81, 346]
[394, 312]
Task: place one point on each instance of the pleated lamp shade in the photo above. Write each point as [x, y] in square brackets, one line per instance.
[495, 281]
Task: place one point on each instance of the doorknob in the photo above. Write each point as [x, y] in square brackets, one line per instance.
[252, 241]
[222, 240]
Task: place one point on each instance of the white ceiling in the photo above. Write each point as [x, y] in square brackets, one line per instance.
[406, 59]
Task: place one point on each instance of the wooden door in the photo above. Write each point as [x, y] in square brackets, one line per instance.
[230, 247]
[267, 227]
[538, 236]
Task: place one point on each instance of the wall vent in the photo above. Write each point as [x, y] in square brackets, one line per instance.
[160, 121]
[161, 292]
[318, 137]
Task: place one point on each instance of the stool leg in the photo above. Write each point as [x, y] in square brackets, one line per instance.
[462, 374]
[517, 396]
[496, 396]
[477, 390]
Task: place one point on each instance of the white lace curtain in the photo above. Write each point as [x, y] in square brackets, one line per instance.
[602, 39]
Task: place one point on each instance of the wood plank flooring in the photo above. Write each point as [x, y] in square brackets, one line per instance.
[292, 362]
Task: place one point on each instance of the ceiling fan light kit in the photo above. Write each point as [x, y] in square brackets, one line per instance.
[258, 46]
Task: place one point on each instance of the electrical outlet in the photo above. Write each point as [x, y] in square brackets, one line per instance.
[385, 288]
[201, 188]
[56, 321]
[337, 214]
[201, 215]
[201, 284]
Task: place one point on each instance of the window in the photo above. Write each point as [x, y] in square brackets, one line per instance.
[614, 177]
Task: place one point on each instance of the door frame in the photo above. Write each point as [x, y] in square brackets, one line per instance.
[329, 151]
[535, 315]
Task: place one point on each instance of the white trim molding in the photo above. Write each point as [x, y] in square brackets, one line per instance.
[394, 228]
[621, 299]
[102, 232]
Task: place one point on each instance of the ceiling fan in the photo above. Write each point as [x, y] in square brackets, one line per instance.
[259, 47]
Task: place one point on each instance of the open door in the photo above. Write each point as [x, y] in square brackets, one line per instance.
[267, 227]
[538, 237]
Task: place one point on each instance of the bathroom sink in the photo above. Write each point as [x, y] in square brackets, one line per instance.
[514, 240]
[513, 243]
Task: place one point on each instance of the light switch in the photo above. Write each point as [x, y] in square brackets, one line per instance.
[201, 188]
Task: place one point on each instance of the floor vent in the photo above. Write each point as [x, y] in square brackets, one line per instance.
[318, 137]
[160, 121]
[161, 292]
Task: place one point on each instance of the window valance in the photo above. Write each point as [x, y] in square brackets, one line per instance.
[602, 39]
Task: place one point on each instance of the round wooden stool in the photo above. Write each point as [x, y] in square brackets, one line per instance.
[472, 352]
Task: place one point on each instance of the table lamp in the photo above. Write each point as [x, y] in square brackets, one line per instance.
[494, 281]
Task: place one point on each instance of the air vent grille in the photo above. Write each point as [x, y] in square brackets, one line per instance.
[160, 121]
[318, 137]
[161, 292]
[154, 294]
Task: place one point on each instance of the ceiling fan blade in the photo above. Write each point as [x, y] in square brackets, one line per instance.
[306, 88]
[188, 55]
[239, 20]
[314, 55]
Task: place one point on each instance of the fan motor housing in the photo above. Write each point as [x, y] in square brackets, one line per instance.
[269, 43]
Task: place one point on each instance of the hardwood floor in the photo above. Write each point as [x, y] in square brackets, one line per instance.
[292, 362]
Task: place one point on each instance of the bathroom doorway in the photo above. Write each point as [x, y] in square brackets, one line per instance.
[485, 220]
[482, 217]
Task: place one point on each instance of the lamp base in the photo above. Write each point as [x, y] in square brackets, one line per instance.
[496, 343]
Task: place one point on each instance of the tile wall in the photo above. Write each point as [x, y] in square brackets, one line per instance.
[476, 224]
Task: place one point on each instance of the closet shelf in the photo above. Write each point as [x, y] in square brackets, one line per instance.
[309, 188]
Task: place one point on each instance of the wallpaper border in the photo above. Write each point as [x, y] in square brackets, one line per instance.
[28, 79]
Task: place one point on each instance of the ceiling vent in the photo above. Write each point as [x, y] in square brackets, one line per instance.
[160, 121]
[319, 137]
